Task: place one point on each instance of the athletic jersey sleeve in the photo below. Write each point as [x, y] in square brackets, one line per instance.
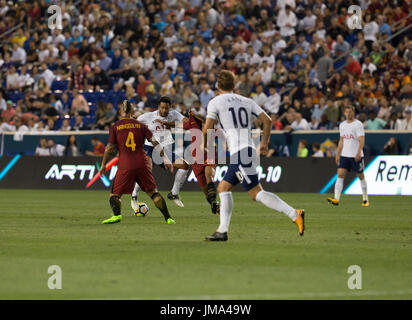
[255, 110]
[212, 110]
[144, 117]
[359, 130]
[176, 116]
[340, 130]
[186, 124]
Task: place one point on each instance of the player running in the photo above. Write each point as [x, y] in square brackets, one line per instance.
[128, 135]
[349, 155]
[234, 112]
[204, 171]
[160, 122]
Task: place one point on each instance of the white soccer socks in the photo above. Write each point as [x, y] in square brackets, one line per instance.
[364, 189]
[272, 201]
[226, 207]
[338, 188]
[136, 189]
[180, 179]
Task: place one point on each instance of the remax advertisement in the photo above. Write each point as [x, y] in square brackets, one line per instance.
[386, 175]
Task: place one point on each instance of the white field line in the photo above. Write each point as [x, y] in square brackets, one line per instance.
[298, 296]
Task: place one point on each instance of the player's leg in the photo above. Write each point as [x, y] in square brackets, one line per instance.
[339, 186]
[144, 178]
[160, 204]
[135, 195]
[359, 169]
[205, 176]
[343, 167]
[115, 204]
[209, 172]
[122, 184]
[272, 201]
[224, 189]
[226, 206]
[180, 177]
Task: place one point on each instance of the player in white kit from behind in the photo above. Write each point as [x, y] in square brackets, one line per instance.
[349, 155]
[160, 122]
[234, 113]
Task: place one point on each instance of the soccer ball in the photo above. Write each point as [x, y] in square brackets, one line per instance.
[142, 209]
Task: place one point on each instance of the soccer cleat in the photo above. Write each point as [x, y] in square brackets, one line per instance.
[134, 204]
[170, 221]
[217, 236]
[333, 201]
[176, 199]
[365, 203]
[113, 219]
[300, 221]
[215, 207]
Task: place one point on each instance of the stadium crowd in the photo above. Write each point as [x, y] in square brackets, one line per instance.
[297, 59]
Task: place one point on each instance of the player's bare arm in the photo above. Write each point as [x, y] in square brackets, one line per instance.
[209, 124]
[358, 156]
[110, 149]
[167, 124]
[198, 117]
[339, 150]
[267, 125]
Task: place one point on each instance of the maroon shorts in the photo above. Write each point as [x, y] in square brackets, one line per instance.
[199, 171]
[124, 180]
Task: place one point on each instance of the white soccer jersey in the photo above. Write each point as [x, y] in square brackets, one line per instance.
[234, 113]
[160, 132]
[350, 132]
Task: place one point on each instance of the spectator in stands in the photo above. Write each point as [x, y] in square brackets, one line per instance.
[12, 79]
[317, 152]
[375, 123]
[151, 99]
[79, 104]
[8, 114]
[3, 105]
[331, 150]
[300, 123]
[65, 125]
[98, 148]
[56, 150]
[72, 149]
[42, 149]
[206, 95]
[276, 123]
[302, 149]
[394, 122]
[109, 116]
[391, 147]
[189, 97]
[272, 103]
[259, 97]
[286, 21]
[63, 104]
[98, 79]
[79, 124]
[406, 124]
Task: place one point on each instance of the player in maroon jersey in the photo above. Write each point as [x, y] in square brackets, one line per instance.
[129, 135]
[204, 171]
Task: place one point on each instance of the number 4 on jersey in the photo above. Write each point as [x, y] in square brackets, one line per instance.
[130, 141]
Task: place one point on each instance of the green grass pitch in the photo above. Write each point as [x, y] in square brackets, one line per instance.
[143, 258]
